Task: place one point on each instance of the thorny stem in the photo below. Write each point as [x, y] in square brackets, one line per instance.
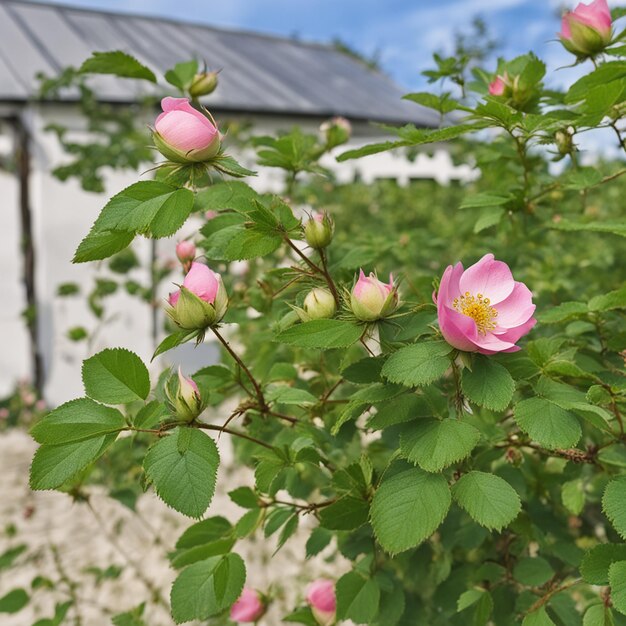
[257, 388]
[458, 393]
[571, 454]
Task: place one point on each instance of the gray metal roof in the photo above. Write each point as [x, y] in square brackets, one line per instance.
[260, 73]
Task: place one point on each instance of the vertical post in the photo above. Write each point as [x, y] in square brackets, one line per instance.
[23, 164]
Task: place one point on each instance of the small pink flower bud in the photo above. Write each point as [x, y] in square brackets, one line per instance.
[202, 300]
[184, 397]
[184, 135]
[497, 86]
[371, 299]
[321, 598]
[587, 30]
[249, 608]
[210, 214]
[336, 131]
[319, 304]
[318, 230]
[203, 84]
[186, 252]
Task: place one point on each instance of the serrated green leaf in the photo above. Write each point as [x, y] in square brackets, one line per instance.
[347, 513]
[117, 63]
[562, 312]
[488, 384]
[407, 509]
[594, 568]
[77, 420]
[489, 500]
[573, 496]
[101, 244]
[321, 334]
[489, 216]
[358, 598]
[184, 479]
[538, 618]
[547, 423]
[207, 588]
[434, 444]
[317, 541]
[533, 571]
[116, 376]
[418, 364]
[55, 464]
[617, 581]
[609, 301]
[614, 504]
[598, 615]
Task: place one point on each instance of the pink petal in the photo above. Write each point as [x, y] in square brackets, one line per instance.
[566, 31]
[597, 15]
[457, 329]
[321, 595]
[513, 335]
[517, 308]
[202, 281]
[184, 131]
[492, 279]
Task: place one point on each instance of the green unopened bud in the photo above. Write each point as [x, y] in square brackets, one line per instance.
[193, 313]
[564, 141]
[203, 84]
[319, 304]
[336, 131]
[184, 397]
[318, 231]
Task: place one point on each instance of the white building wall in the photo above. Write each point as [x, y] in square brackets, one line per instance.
[63, 214]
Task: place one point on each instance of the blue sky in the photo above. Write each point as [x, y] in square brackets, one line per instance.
[405, 32]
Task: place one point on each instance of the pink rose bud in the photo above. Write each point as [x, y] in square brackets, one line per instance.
[371, 299]
[321, 598]
[482, 309]
[201, 301]
[587, 30]
[250, 606]
[186, 252]
[210, 214]
[497, 86]
[336, 131]
[203, 84]
[318, 230]
[184, 397]
[319, 304]
[183, 134]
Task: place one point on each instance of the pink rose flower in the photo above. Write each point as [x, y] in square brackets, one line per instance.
[248, 608]
[321, 598]
[586, 30]
[497, 86]
[185, 251]
[482, 309]
[371, 299]
[184, 134]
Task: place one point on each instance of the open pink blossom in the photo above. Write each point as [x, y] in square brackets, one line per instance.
[483, 309]
[184, 134]
[248, 608]
[321, 598]
[497, 86]
[587, 29]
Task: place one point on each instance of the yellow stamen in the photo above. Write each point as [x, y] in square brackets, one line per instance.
[477, 307]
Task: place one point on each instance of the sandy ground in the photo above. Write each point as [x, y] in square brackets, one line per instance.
[66, 538]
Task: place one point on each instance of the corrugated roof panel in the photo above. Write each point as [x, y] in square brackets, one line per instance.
[261, 73]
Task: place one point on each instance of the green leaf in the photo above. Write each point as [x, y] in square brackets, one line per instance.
[573, 496]
[317, 541]
[130, 618]
[488, 384]
[434, 444]
[182, 74]
[207, 588]
[116, 376]
[99, 245]
[77, 420]
[174, 340]
[407, 509]
[183, 468]
[617, 581]
[614, 504]
[55, 464]
[228, 165]
[321, 334]
[615, 228]
[358, 598]
[489, 499]
[418, 364]
[7, 557]
[250, 243]
[117, 63]
[485, 199]
[489, 216]
[594, 567]
[547, 423]
[598, 615]
[347, 513]
[562, 312]
[302, 615]
[14, 601]
[533, 571]
[609, 301]
[538, 618]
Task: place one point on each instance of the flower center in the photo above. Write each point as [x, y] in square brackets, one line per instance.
[477, 307]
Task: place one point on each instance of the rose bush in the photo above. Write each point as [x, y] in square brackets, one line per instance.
[466, 456]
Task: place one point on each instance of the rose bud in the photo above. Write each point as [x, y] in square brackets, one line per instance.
[184, 135]
[201, 301]
[184, 397]
[336, 131]
[203, 84]
[319, 304]
[499, 86]
[564, 141]
[210, 215]
[482, 309]
[321, 598]
[250, 606]
[318, 231]
[587, 30]
[371, 299]
[186, 253]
